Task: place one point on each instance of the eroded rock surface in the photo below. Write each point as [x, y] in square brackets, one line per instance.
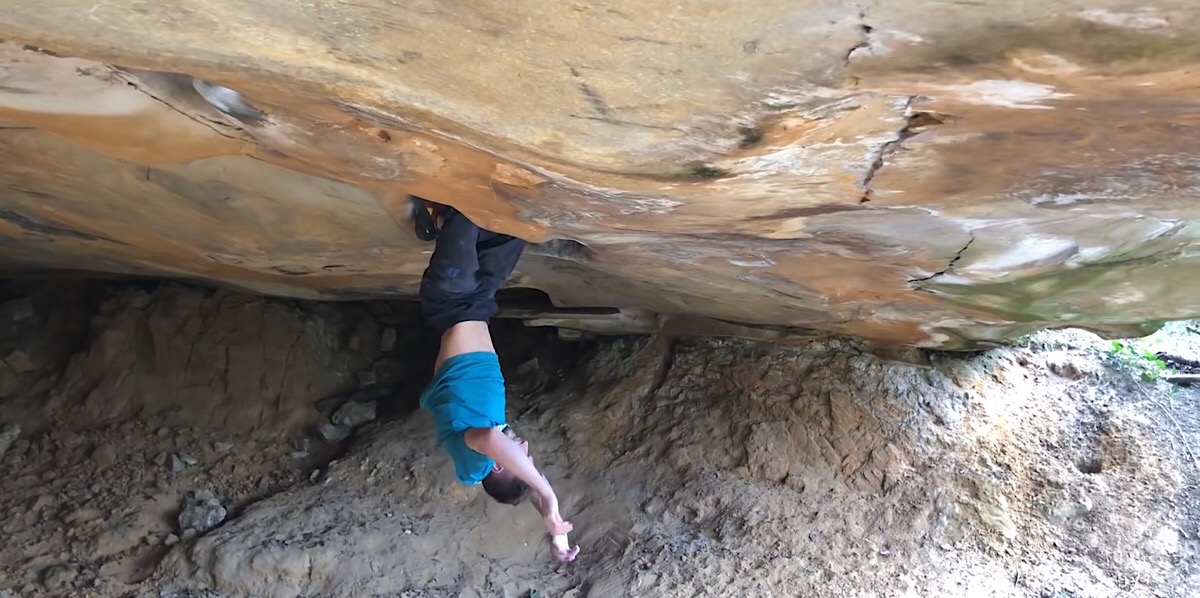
[936, 174]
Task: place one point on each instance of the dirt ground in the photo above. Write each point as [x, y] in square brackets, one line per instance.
[1056, 468]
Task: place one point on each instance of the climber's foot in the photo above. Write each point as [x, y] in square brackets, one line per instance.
[423, 221]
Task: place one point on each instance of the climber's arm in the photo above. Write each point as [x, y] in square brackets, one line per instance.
[494, 443]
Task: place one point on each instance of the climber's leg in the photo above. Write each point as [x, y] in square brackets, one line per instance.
[450, 287]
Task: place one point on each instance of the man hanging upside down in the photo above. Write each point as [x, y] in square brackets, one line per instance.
[466, 396]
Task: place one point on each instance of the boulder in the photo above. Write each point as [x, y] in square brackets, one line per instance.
[945, 176]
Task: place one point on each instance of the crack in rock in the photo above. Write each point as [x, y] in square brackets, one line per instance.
[915, 120]
[953, 260]
[885, 150]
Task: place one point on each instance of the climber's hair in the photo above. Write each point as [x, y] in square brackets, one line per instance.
[509, 491]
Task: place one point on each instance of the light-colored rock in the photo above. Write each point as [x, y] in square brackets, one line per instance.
[8, 435]
[354, 413]
[933, 177]
[201, 512]
[332, 432]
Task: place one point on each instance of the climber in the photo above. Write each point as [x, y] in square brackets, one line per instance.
[466, 395]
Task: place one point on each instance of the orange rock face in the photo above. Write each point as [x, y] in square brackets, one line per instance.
[917, 173]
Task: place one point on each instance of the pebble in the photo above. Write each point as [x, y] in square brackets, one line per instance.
[171, 540]
[354, 414]
[222, 447]
[177, 464]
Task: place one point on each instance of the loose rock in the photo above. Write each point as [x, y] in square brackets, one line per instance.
[11, 431]
[354, 414]
[201, 512]
[333, 433]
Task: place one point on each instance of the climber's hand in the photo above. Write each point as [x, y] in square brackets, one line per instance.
[561, 549]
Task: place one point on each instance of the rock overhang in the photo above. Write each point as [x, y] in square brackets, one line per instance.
[942, 176]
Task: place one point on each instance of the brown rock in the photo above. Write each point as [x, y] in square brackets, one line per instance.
[935, 178]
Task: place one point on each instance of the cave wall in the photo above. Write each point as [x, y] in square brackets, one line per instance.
[91, 355]
[922, 173]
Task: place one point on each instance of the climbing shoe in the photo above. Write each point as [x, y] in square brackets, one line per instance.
[423, 221]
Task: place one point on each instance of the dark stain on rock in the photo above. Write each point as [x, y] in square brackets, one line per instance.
[598, 104]
[567, 249]
[32, 48]
[706, 171]
[594, 99]
[751, 136]
[645, 40]
[288, 270]
[42, 227]
[1105, 47]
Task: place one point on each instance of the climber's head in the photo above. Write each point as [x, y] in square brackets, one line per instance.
[502, 484]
